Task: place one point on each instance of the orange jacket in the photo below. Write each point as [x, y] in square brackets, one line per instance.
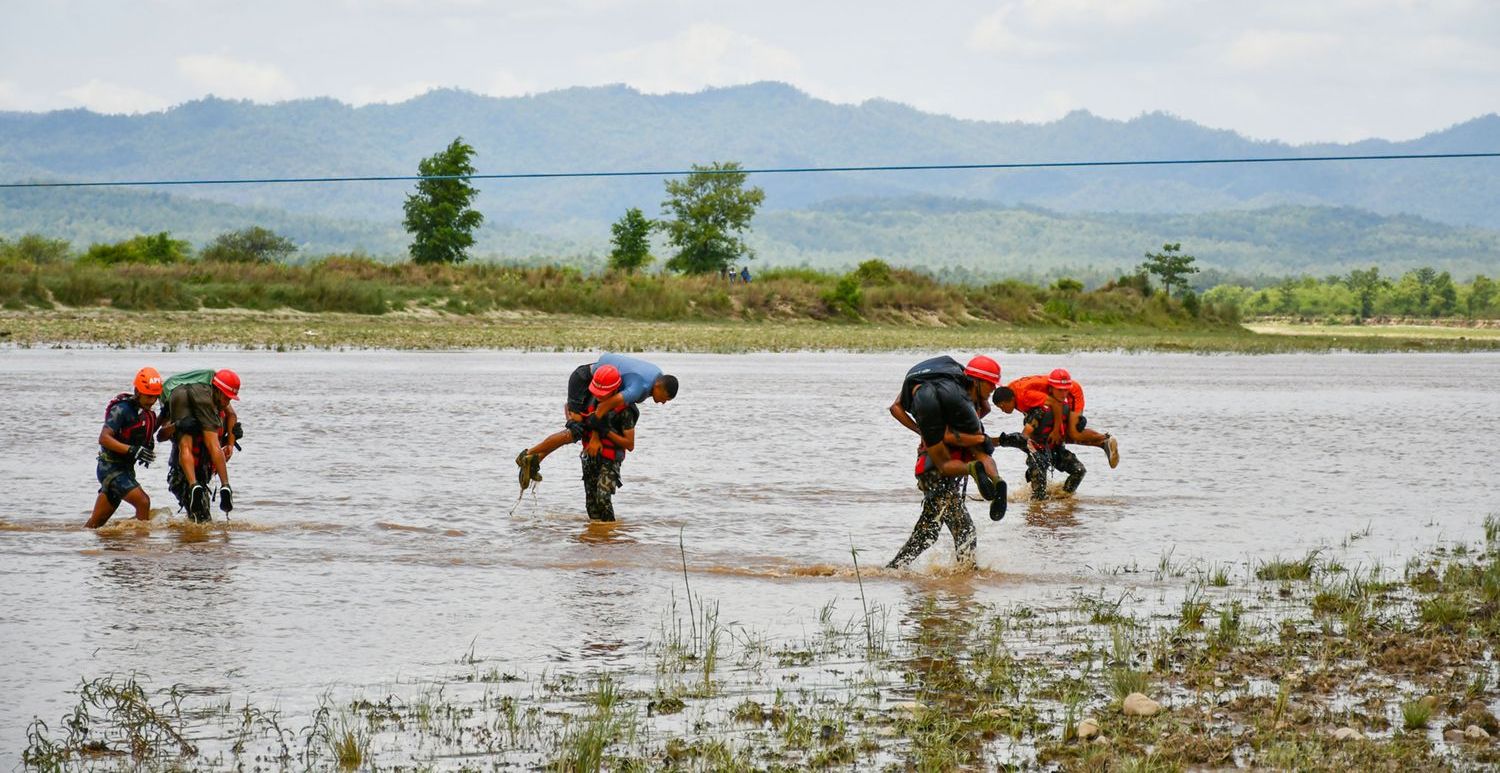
[1031, 392]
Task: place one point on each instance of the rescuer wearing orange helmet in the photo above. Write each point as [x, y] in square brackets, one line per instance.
[125, 441]
[597, 391]
[202, 422]
[1052, 406]
[940, 400]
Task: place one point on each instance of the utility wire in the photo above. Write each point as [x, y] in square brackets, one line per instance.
[766, 170]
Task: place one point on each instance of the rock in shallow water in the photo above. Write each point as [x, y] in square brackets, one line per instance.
[1138, 705]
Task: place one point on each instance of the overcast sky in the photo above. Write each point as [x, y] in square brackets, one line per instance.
[1295, 70]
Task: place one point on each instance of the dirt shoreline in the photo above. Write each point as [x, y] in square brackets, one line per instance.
[429, 330]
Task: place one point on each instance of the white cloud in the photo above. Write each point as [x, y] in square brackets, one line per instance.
[1035, 28]
[1262, 49]
[505, 83]
[702, 55]
[1050, 13]
[235, 79]
[101, 96]
[996, 34]
[368, 94]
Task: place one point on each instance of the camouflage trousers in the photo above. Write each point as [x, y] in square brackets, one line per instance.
[1040, 460]
[601, 477]
[942, 504]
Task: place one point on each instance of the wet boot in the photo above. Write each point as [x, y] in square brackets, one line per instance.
[1112, 450]
[523, 461]
[988, 486]
[1037, 477]
[198, 504]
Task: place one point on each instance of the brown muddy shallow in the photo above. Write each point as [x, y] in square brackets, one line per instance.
[378, 536]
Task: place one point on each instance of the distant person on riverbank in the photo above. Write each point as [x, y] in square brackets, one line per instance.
[597, 390]
[125, 441]
[1063, 397]
[204, 429]
[940, 400]
[745, 274]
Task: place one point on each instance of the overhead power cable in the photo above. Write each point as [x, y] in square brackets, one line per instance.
[759, 171]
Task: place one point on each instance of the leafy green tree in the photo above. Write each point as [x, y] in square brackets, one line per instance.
[440, 216]
[1481, 294]
[155, 248]
[1366, 285]
[873, 272]
[35, 249]
[249, 245]
[1425, 277]
[1171, 266]
[631, 237]
[710, 210]
[1444, 296]
[1067, 284]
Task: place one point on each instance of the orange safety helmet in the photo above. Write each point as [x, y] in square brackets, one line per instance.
[606, 381]
[985, 369]
[228, 382]
[1060, 379]
[148, 381]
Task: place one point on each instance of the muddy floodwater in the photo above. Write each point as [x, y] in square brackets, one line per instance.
[378, 536]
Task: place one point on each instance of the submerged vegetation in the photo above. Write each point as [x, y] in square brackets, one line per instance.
[1340, 668]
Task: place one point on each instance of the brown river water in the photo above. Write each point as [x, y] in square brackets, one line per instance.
[378, 537]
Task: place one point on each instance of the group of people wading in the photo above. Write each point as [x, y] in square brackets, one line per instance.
[941, 400]
[944, 403]
[196, 416]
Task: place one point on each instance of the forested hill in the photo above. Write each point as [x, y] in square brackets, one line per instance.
[951, 237]
[766, 124]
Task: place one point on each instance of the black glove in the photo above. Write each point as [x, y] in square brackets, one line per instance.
[238, 432]
[576, 429]
[226, 498]
[988, 446]
[142, 455]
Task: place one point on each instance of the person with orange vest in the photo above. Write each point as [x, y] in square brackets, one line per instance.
[940, 401]
[126, 440]
[1045, 451]
[1060, 395]
[613, 381]
[604, 449]
[200, 422]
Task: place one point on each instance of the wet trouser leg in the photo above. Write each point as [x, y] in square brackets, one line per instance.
[1038, 462]
[942, 503]
[600, 479]
[1066, 461]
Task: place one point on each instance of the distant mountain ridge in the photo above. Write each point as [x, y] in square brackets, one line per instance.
[615, 128]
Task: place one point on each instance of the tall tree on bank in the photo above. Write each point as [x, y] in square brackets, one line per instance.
[709, 211]
[1366, 285]
[1171, 266]
[439, 215]
[631, 237]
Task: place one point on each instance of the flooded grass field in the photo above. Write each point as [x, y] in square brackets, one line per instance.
[1292, 546]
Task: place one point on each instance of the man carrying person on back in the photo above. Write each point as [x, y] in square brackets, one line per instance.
[125, 441]
[605, 447]
[939, 401]
[203, 428]
[612, 381]
[1063, 398]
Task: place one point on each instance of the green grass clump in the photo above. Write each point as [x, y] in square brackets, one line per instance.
[1287, 570]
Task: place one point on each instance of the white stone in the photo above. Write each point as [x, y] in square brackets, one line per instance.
[1347, 734]
[1476, 733]
[1138, 705]
[1088, 728]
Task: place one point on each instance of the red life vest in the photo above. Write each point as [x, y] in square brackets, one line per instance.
[140, 433]
[963, 454]
[608, 448]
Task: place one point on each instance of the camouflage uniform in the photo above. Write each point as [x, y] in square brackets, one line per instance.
[1040, 460]
[942, 503]
[601, 477]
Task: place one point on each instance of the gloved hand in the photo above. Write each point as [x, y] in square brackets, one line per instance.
[239, 433]
[226, 498]
[142, 455]
[988, 446]
[577, 429]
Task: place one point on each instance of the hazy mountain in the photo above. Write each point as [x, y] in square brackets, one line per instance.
[761, 125]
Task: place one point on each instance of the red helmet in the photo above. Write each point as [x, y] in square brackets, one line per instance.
[1060, 379]
[228, 382]
[985, 369]
[606, 381]
[148, 382]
